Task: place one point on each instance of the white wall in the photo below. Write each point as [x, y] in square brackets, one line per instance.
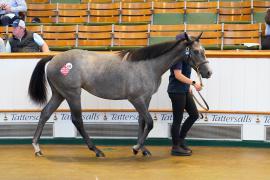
[238, 84]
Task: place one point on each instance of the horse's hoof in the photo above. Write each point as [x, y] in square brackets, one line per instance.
[38, 154]
[135, 152]
[100, 154]
[146, 153]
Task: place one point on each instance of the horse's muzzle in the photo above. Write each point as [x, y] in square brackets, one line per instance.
[207, 75]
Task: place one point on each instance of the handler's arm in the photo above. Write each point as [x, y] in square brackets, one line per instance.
[179, 76]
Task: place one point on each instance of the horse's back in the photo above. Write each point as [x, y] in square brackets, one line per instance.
[80, 58]
[75, 67]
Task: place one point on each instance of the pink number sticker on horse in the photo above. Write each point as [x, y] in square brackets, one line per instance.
[66, 68]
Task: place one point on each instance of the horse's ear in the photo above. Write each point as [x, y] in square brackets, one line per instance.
[187, 37]
[198, 38]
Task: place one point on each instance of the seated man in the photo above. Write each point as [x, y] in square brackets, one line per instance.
[9, 10]
[25, 41]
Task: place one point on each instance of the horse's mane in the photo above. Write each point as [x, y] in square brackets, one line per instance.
[149, 52]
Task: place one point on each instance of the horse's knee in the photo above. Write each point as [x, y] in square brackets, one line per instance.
[150, 126]
[141, 123]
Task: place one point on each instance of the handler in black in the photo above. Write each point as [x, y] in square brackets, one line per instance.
[180, 94]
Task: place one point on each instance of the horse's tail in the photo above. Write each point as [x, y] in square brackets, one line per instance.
[37, 88]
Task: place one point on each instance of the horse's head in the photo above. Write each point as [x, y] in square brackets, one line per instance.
[195, 56]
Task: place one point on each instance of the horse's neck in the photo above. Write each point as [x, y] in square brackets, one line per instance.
[162, 63]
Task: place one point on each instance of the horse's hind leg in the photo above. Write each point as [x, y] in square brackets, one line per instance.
[74, 102]
[46, 112]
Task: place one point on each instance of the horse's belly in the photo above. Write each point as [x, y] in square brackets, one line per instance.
[106, 91]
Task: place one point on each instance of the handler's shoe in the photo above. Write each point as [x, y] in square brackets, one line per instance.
[184, 146]
[179, 151]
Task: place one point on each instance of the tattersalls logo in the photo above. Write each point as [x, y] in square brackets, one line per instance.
[168, 116]
[85, 116]
[103, 116]
[228, 118]
[19, 117]
[24, 117]
[5, 118]
[266, 119]
[124, 116]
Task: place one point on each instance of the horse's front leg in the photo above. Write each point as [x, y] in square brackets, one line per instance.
[145, 124]
[145, 151]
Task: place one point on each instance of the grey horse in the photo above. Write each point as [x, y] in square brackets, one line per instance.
[133, 74]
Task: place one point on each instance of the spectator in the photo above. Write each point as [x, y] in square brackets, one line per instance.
[10, 10]
[24, 40]
[266, 39]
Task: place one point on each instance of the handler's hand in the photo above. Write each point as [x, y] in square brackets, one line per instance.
[197, 86]
[190, 90]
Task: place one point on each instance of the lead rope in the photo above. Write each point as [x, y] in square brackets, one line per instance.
[206, 107]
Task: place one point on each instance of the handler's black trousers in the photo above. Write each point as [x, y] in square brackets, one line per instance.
[181, 101]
